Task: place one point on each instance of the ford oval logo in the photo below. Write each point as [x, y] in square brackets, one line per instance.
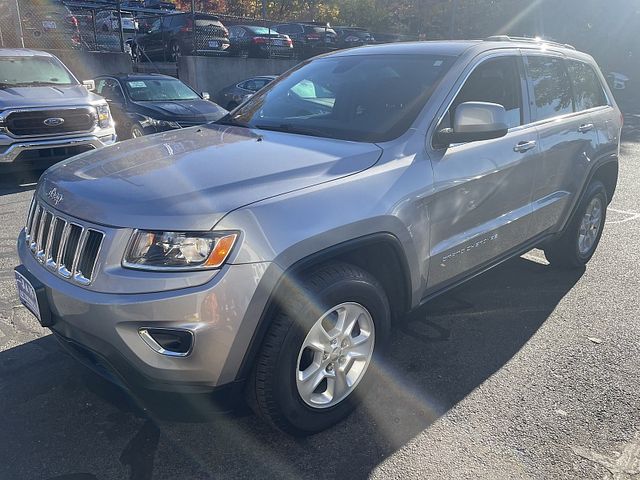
[54, 121]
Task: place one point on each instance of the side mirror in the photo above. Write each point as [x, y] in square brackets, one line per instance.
[205, 95]
[89, 85]
[473, 122]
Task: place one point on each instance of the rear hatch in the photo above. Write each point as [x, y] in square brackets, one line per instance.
[210, 33]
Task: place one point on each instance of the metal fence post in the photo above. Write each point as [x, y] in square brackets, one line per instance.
[95, 29]
[120, 28]
[193, 28]
[20, 32]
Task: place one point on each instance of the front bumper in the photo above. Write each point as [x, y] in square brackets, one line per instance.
[12, 150]
[102, 329]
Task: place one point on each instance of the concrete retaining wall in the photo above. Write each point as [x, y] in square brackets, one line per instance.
[211, 74]
[88, 65]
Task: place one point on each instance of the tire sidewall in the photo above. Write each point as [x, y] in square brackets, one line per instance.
[300, 415]
[596, 189]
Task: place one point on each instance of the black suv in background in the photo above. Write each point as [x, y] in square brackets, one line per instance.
[259, 42]
[178, 34]
[309, 38]
[353, 37]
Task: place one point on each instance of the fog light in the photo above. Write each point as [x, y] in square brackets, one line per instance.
[168, 341]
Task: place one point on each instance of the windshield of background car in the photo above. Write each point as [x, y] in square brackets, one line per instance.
[156, 90]
[368, 98]
[22, 71]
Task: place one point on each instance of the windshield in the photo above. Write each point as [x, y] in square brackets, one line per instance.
[21, 71]
[159, 89]
[371, 98]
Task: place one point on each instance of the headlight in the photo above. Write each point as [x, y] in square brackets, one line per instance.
[162, 123]
[178, 250]
[104, 116]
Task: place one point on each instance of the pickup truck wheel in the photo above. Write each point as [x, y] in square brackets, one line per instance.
[316, 362]
[577, 244]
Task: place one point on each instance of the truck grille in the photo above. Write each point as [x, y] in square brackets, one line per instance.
[66, 248]
[27, 123]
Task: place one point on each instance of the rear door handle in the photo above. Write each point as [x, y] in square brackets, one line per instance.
[586, 127]
[524, 146]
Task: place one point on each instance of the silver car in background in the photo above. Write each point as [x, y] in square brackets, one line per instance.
[269, 254]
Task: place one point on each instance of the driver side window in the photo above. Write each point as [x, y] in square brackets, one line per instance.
[494, 81]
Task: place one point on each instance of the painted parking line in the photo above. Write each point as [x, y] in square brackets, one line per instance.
[628, 216]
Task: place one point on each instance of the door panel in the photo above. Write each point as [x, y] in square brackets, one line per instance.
[568, 140]
[482, 202]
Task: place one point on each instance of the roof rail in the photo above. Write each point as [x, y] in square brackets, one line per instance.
[509, 38]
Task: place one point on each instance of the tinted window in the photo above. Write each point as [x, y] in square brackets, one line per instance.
[586, 86]
[110, 89]
[371, 98]
[495, 81]
[551, 86]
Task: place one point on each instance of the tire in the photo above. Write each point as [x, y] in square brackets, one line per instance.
[578, 242]
[274, 389]
[136, 131]
[174, 51]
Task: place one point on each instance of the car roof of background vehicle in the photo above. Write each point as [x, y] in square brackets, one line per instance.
[23, 52]
[124, 76]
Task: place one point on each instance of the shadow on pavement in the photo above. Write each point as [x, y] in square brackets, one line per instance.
[15, 182]
[56, 427]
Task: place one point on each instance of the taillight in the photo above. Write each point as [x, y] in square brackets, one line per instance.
[289, 42]
[225, 31]
[259, 40]
[188, 26]
[73, 20]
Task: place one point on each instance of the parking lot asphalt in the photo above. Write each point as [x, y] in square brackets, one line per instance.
[524, 372]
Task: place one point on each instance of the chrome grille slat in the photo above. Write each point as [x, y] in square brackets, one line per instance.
[66, 247]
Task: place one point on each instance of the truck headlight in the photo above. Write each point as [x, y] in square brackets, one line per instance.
[171, 251]
[104, 116]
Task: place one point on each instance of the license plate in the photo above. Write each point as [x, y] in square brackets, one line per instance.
[28, 295]
[32, 296]
[49, 25]
[214, 44]
[278, 42]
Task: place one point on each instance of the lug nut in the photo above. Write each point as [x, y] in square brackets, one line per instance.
[341, 360]
[344, 343]
[330, 367]
[334, 342]
[325, 356]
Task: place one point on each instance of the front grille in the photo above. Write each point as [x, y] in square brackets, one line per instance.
[26, 123]
[65, 247]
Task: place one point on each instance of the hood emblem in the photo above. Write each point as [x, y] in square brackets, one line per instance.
[55, 196]
[53, 121]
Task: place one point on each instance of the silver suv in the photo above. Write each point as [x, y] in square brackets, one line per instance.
[271, 253]
[46, 115]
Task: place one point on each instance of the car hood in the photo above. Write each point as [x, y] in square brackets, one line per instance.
[189, 179]
[183, 110]
[49, 96]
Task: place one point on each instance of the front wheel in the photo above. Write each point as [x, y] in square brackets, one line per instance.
[320, 351]
[577, 244]
[136, 131]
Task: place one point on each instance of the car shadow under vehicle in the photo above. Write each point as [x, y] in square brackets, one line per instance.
[61, 421]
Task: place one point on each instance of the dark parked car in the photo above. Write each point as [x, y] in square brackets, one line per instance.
[44, 25]
[142, 104]
[309, 38]
[173, 35]
[353, 37]
[233, 95]
[259, 42]
[159, 4]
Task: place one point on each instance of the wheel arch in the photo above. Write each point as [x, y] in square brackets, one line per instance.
[379, 254]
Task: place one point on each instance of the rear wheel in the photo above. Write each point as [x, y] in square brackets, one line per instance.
[136, 131]
[318, 355]
[577, 244]
[174, 51]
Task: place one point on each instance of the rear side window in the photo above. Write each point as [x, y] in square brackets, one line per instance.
[587, 88]
[551, 86]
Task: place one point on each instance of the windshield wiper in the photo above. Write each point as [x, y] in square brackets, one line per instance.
[230, 122]
[289, 128]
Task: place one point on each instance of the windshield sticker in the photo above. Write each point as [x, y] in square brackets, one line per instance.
[138, 84]
[437, 63]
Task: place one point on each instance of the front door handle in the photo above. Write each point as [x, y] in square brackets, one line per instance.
[524, 146]
[586, 127]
